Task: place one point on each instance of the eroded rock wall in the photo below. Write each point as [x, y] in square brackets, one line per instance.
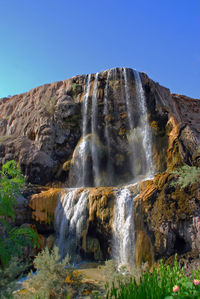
[42, 128]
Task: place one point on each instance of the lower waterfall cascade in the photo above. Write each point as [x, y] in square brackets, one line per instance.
[123, 247]
[101, 160]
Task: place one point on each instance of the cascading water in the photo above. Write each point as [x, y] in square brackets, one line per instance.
[133, 149]
[71, 221]
[84, 134]
[94, 122]
[123, 249]
[79, 168]
[107, 135]
[128, 100]
[140, 134]
[127, 154]
[147, 142]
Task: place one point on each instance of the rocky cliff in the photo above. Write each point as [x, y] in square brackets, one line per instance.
[43, 130]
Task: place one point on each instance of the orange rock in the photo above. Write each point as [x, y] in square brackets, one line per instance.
[43, 205]
[144, 249]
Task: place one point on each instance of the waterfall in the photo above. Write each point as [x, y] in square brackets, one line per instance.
[147, 142]
[141, 161]
[84, 133]
[107, 134]
[79, 169]
[71, 221]
[126, 156]
[134, 154]
[123, 249]
[139, 137]
[128, 100]
[94, 122]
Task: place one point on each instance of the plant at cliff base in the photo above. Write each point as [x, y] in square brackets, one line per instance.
[52, 279]
[12, 238]
[10, 275]
[163, 283]
[186, 175]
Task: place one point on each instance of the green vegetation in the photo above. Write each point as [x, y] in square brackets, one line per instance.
[163, 283]
[10, 275]
[52, 277]
[186, 175]
[77, 88]
[12, 238]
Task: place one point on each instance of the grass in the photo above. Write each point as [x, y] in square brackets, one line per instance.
[164, 282]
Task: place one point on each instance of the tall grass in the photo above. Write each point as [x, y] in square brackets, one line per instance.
[163, 283]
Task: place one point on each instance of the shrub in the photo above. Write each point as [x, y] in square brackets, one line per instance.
[10, 275]
[12, 239]
[52, 276]
[186, 175]
[77, 88]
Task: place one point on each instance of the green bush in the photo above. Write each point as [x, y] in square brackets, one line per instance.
[50, 281]
[186, 175]
[12, 238]
[77, 88]
[10, 275]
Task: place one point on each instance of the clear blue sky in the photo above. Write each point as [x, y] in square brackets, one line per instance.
[42, 41]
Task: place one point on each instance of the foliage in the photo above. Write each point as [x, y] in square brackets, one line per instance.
[10, 275]
[11, 180]
[76, 89]
[186, 175]
[52, 276]
[155, 285]
[49, 105]
[163, 283]
[12, 239]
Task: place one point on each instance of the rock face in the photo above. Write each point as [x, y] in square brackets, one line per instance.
[56, 138]
[41, 128]
[169, 215]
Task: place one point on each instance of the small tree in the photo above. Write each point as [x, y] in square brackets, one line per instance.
[12, 238]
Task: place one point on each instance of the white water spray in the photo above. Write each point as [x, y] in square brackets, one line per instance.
[146, 132]
[107, 133]
[85, 120]
[123, 249]
[94, 122]
[70, 221]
